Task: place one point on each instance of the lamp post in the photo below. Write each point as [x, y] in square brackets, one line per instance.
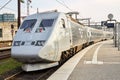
[115, 32]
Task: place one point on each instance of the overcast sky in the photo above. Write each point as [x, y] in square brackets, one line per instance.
[97, 10]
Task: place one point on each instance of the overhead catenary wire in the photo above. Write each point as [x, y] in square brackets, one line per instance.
[9, 8]
[5, 4]
[13, 10]
[63, 4]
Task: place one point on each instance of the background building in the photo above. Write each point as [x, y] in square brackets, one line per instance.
[1, 18]
[7, 17]
[6, 31]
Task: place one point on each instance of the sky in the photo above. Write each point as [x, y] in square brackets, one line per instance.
[97, 10]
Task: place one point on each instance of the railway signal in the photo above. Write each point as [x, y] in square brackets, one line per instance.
[12, 30]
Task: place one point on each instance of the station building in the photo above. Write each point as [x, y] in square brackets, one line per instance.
[8, 27]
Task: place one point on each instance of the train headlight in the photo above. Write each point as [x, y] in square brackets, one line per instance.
[40, 43]
[16, 43]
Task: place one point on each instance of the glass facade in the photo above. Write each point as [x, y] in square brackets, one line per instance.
[1, 19]
[7, 17]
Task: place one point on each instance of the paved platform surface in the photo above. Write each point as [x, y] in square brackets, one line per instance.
[100, 61]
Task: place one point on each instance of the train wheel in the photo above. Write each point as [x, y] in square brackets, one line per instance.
[83, 46]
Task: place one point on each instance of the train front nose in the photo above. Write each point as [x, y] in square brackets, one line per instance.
[26, 51]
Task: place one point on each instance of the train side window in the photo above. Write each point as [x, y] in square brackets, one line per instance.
[63, 23]
[88, 34]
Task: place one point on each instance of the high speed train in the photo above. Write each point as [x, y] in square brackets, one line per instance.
[46, 39]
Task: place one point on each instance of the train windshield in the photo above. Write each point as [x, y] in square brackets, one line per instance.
[28, 25]
[46, 23]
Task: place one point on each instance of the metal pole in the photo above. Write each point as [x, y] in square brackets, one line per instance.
[115, 34]
[37, 10]
[19, 13]
[118, 28]
[27, 7]
[89, 22]
[118, 44]
[12, 30]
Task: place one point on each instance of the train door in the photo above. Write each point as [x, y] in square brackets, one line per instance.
[64, 42]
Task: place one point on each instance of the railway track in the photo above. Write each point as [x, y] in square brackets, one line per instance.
[19, 74]
[4, 53]
[36, 75]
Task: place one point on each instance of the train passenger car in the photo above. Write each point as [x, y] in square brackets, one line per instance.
[93, 35]
[107, 35]
[46, 39]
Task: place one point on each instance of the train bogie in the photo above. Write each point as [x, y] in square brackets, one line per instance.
[38, 66]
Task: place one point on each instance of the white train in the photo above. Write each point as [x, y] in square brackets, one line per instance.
[46, 39]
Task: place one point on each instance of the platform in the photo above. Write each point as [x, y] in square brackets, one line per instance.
[5, 48]
[100, 61]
